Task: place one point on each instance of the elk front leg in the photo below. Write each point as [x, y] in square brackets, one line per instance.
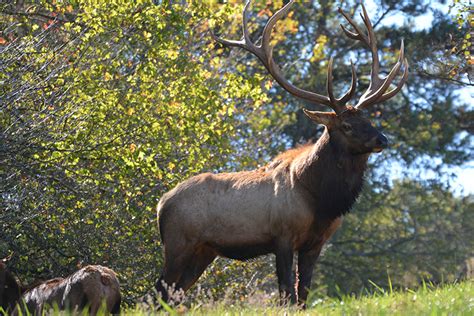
[284, 267]
[306, 262]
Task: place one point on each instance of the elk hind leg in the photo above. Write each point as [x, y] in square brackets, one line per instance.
[201, 260]
[175, 265]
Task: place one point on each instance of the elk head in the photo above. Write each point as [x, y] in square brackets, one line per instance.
[347, 124]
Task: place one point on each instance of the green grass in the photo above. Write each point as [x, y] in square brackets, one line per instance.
[453, 299]
[456, 299]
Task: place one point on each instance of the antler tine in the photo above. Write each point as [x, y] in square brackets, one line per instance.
[378, 86]
[372, 44]
[267, 31]
[329, 83]
[264, 52]
[340, 103]
[356, 36]
[368, 40]
[245, 30]
[376, 91]
[245, 42]
[350, 93]
[399, 86]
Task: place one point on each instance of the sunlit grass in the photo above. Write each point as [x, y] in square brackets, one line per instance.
[452, 299]
[455, 299]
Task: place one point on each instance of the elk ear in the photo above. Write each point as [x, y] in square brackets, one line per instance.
[325, 118]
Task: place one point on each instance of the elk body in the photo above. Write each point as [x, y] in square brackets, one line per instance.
[89, 287]
[296, 202]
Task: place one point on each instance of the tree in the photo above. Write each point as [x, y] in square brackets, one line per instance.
[403, 236]
[104, 107]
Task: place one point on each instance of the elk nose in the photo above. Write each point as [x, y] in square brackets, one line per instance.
[381, 141]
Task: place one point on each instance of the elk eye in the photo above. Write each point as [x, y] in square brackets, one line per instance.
[346, 127]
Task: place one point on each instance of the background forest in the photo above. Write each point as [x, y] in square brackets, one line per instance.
[105, 106]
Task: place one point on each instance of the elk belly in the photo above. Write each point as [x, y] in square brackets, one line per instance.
[240, 215]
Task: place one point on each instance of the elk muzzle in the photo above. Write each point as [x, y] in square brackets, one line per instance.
[378, 143]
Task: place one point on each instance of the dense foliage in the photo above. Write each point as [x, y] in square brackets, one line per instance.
[105, 106]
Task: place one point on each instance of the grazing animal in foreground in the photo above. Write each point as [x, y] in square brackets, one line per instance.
[89, 287]
[295, 203]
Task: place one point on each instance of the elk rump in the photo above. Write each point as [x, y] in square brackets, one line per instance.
[90, 287]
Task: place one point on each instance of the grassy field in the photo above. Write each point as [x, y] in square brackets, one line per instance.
[454, 299]
[457, 299]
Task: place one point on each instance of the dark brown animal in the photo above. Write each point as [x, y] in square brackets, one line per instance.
[296, 202]
[10, 289]
[90, 287]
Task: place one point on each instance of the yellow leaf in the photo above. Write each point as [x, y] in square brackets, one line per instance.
[268, 84]
[107, 76]
[146, 35]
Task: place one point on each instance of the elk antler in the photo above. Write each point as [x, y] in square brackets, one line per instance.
[376, 91]
[264, 52]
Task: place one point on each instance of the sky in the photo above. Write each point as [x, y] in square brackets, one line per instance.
[463, 183]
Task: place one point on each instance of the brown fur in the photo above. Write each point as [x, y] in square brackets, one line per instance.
[293, 204]
[10, 289]
[285, 158]
[89, 287]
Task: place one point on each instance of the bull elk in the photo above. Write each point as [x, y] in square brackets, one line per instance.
[296, 202]
[89, 287]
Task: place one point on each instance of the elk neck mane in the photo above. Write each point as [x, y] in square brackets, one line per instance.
[329, 176]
